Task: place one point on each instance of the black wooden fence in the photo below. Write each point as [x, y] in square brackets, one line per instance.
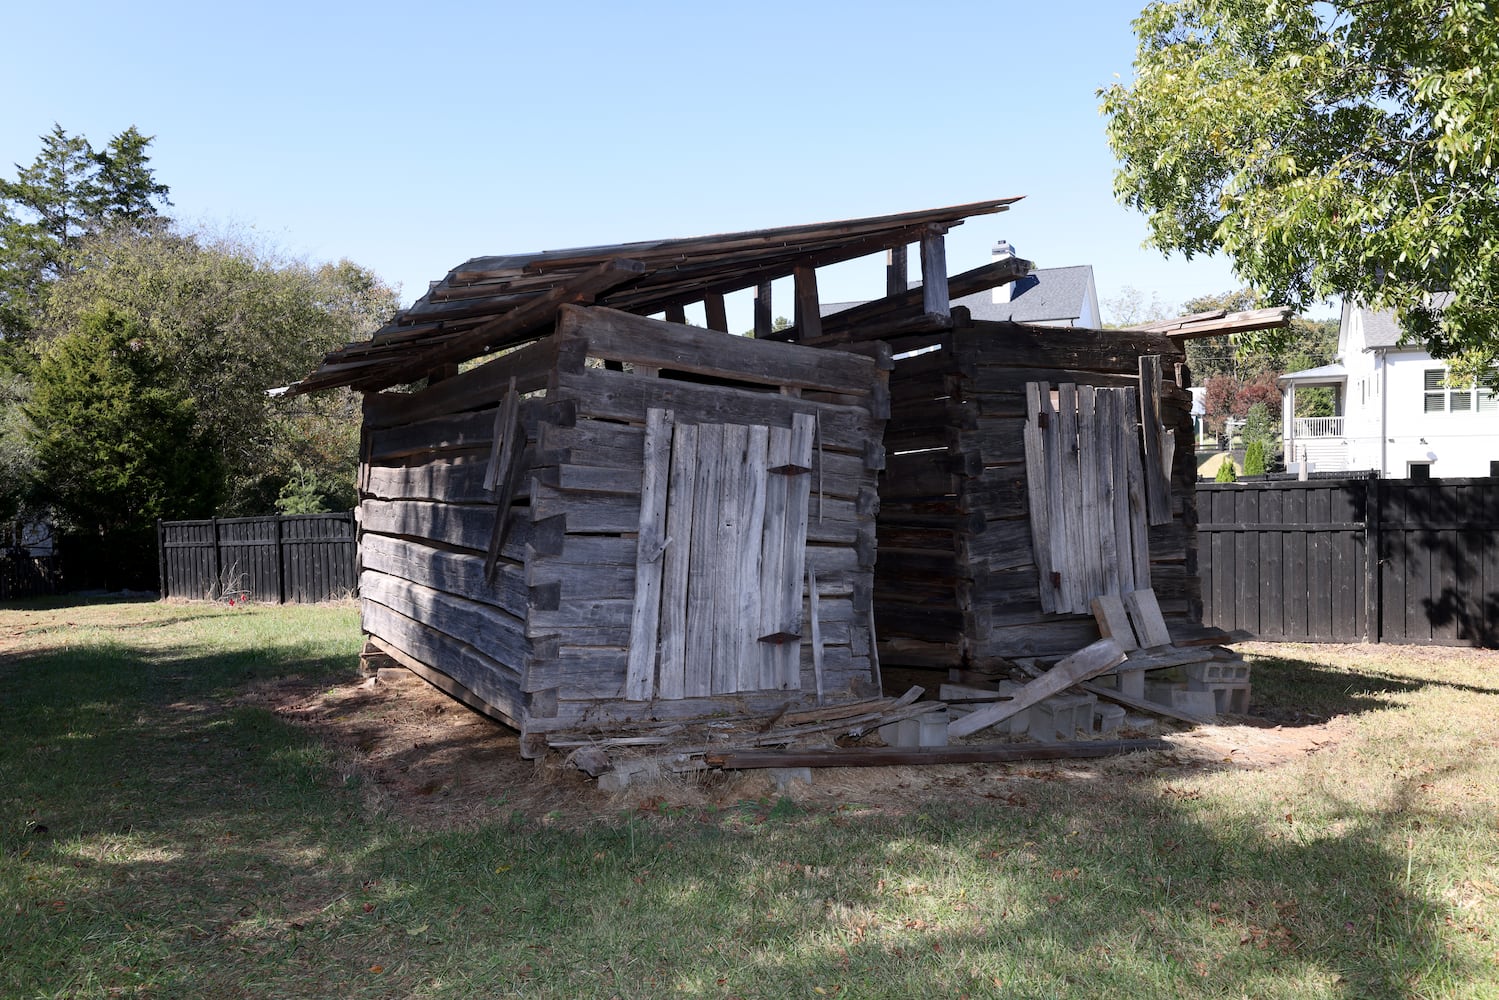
[295, 559]
[23, 575]
[1352, 560]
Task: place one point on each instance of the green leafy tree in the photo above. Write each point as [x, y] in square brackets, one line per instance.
[68, 193]
[1344, 148]
[229, 321]
[117, 445]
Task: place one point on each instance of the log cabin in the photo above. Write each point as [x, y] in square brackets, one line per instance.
[580, 515]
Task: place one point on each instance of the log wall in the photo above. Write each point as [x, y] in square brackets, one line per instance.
[544, 642]
[957, 583]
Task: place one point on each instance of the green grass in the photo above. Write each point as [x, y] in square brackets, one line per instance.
[157, 839]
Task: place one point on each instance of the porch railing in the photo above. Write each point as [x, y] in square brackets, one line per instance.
[1316, 427]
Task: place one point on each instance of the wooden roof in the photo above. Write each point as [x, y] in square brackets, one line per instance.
[490, 303]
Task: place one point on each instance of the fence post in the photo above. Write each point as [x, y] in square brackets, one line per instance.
[214, 592]
[161, 556]
[1373, 598]
[280, 563]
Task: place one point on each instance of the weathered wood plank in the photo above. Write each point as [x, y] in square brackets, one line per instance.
[1039, 521]
[679, 508]
[701, 595]
[772, 596]
[651, 543]
[1113, 623]
[725, 567]
[1145, 615]
[1087, 662]
[620, 396]
[622, 336]
[793, 565]
[754, 484]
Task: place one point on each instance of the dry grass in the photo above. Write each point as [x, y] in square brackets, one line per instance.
[197, 801]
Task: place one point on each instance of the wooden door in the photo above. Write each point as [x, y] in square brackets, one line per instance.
[720, 559]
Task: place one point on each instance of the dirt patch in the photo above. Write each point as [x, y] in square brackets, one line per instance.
[434, 763]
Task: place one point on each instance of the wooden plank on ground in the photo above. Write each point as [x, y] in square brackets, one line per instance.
[651, 542]
[1113, 622]
[892, 756]
[1087, 662]
[1145, 615]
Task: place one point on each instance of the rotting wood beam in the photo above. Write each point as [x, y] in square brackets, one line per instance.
[511, 327]
[892, 756]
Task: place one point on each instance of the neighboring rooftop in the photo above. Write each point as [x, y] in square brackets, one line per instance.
[1047, 295]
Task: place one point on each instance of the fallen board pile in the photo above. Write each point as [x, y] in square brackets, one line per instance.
[1193, 681]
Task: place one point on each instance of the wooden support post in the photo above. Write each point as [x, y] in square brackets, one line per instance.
[717, 316]
[280, 564]
[897, 278]
[763, 320]
[161, 558]
[808, 313]
[934, 297]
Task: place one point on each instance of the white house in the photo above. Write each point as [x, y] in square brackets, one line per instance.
[1394, 412]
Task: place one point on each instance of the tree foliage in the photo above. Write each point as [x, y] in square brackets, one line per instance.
[229, 321]
[117, 445]
[69, 192]
[1329, 149]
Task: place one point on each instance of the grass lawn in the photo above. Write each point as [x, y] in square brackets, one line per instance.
[160, 836]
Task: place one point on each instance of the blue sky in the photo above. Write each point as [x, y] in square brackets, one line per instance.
[410, 138]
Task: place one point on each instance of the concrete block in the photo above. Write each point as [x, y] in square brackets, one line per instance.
[629, 772]
[784, 777]
[904, 733]
[1199, 703]
[1061, 716]
[1199, 675]
[1107, 718]
[932, 729]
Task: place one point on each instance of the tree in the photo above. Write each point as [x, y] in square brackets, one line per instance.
[1254, 458]
[1329, 149]
[228, 321]
[1129, 308]
[69, 193]
[116, 445]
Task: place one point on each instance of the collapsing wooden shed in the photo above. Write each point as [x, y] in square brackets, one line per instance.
[617, 520]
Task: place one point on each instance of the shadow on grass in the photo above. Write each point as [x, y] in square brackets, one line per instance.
[1290, 691]
[218, 851]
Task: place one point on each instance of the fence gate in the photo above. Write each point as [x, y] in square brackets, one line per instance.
[1352, 560]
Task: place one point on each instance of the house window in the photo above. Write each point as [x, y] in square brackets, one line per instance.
[1418, 470]
[1440, 398]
